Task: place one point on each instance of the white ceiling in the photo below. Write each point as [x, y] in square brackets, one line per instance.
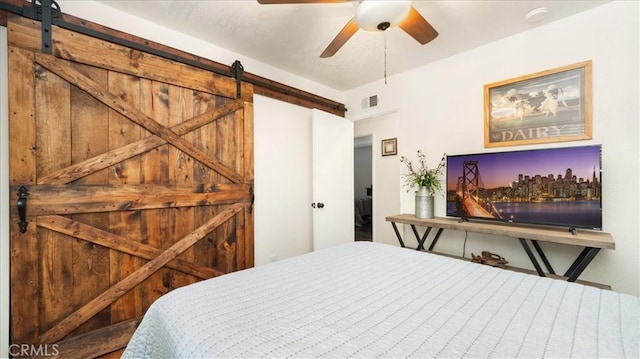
[291, 37]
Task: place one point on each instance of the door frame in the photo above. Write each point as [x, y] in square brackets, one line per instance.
[369, 137]
[385, 171]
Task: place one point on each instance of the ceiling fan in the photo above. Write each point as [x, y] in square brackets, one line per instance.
[374, 15]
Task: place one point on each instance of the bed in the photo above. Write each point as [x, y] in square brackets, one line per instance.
[368, 300]
[362, 210]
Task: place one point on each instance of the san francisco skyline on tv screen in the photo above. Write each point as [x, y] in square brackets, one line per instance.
[501, 169]
[557, 186]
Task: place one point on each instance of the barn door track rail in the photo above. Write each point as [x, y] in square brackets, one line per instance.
[48, 12]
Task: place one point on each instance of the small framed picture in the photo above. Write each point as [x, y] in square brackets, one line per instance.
[390, 147]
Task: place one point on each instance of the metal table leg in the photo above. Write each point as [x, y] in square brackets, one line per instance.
[533, 259]
[424, 236]
[435, 239]
[395, 228]
[582, 261]
[542, 256]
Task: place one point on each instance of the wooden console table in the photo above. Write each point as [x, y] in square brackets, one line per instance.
[591, 241]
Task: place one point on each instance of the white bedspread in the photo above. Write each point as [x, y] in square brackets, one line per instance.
[373, 300]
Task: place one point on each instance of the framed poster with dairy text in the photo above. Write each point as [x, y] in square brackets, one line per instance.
[548, 106]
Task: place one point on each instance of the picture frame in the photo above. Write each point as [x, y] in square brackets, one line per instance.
[390, 147]
[543, 107]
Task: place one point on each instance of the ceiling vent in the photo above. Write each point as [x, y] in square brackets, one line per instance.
[369, 102]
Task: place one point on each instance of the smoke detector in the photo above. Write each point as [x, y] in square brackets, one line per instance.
[536, 15]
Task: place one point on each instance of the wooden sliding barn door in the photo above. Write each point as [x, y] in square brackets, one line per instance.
[136, 174]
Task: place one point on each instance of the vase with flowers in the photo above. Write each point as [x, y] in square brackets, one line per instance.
[427, 181]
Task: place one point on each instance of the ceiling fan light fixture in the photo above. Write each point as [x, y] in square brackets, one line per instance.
[370, 14]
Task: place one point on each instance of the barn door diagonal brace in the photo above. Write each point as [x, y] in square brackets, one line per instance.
[23, 193]
[97, 304]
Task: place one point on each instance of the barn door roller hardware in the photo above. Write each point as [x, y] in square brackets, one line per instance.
[238, 72]
[23, 193]
[43, 10]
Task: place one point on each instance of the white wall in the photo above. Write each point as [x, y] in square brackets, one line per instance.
[283, 216]
[386, 186]
[4, 195]
[441, 110]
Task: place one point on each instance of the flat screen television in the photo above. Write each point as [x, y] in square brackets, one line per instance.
[555, 186]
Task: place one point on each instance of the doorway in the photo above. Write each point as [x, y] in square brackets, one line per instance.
[363, 187]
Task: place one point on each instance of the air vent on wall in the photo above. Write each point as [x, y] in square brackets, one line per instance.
[369, 102]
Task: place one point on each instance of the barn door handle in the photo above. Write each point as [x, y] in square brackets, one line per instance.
[23, 193]
[253, 198]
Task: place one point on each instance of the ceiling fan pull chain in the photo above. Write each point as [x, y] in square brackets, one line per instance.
[385, 57]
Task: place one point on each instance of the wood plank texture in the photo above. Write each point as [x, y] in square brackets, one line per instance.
[53, 137]
[181, 170]
[125, 224]
[154, 164]
[62, 199]
[30, 38]
[114, 102]
[544, 234]
[139, 181]
[89, 123]
[72, 46]
[110, 158]
[25, 279]
[65, 326]
[98, 342]
[246, 246]
[109, 240]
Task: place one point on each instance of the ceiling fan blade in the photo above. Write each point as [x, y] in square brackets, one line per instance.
[272, 2]
[418, 27]
[343, 36]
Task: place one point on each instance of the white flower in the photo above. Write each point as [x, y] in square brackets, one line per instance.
[423, 176]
